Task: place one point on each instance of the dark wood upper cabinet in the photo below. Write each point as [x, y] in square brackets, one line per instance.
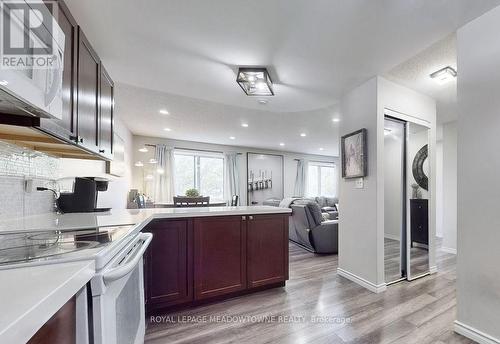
[168, 261]
[106, 115]
[219, 256]
[65, 128]
[88, 73]
[267, 242]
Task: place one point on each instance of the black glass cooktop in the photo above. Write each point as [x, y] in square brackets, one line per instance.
[29, 246]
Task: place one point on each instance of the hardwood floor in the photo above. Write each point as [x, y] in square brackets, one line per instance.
[318, 306]
[419, 262]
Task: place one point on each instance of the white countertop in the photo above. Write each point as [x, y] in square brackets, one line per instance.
[29, 296]
[120, 217]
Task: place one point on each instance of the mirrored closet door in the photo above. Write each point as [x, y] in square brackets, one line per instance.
[394, 200]
[418, 172]
[406, 200]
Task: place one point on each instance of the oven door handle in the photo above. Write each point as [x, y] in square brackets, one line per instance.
[121, 271]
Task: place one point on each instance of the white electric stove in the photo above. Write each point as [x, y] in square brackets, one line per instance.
[117, 289]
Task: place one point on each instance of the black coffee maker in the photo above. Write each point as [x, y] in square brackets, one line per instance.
[83, 199]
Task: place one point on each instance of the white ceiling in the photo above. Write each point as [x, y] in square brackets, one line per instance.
[315, 51]
[415, 73]
[202, 121]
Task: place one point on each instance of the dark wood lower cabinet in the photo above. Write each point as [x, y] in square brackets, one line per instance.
[197, 260]
[60, 329]
[419, 221]
[219, 256]
[267, 255]
[168, 264]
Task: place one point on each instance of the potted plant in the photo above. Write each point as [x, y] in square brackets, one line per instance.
[192, 193]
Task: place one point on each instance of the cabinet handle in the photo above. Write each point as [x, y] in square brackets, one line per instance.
[250, 217]
[101, 150]
[77, 139]
[243, 218]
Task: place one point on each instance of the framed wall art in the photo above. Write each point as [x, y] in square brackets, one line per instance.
[354, 155]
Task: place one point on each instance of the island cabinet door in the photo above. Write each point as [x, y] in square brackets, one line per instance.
[168, 264]
[267, 256]
[219, 256]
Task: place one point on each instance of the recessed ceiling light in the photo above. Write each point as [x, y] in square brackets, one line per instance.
[139, 164]
[255, 81]
[263, 101]
[321, 149]
[143, 150]
[232, 138]
[4, 83]
[244, 125]
[167, 129]
[303, 134]
[336, 120]
[444, 75]
[282, 144]
[164, 112]
[160, 170]
[153, 161]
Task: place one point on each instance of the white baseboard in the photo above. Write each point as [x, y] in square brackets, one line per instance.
[362, 282]
[433, 269]
[474, 334]
[392, 236]
[449, 250]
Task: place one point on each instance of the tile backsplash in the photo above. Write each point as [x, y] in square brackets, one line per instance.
[18, 165]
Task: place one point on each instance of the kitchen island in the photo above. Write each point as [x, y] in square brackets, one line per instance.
[199, 259]
[197, 255]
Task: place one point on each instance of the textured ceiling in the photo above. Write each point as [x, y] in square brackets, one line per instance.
[183, 55]
[415, 73]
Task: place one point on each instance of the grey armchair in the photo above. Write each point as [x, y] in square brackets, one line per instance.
[309, 230]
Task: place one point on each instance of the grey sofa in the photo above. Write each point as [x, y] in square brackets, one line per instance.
[309, 230]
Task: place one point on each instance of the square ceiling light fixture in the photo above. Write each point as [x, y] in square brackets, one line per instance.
[255, 81]
[444, 75]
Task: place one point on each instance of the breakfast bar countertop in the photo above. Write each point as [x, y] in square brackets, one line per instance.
[30, 295]
[121, 217]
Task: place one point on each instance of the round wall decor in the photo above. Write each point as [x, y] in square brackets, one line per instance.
[418, 168]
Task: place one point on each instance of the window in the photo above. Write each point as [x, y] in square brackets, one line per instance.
[321, 179]
[200, 170]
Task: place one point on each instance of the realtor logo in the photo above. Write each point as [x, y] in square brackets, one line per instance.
[27, 34]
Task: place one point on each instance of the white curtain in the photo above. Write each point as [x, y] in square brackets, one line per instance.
[164, 181]
[300, 179]
[231, 178]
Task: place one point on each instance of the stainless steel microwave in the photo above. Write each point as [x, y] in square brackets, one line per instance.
[32, 60]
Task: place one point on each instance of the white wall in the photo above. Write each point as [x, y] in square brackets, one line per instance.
[478, 277]
[363, 209]
[450, 187]
[116, 196]
[290, 165]
[358, 242]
